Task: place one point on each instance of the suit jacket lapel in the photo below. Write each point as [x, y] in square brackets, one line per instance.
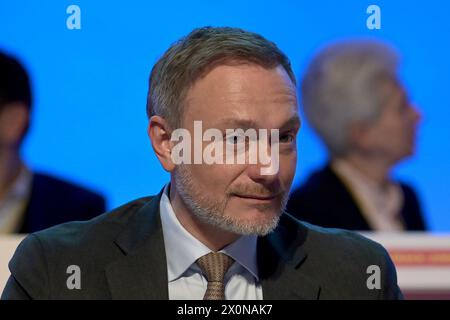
[280, 258]
[142, 272]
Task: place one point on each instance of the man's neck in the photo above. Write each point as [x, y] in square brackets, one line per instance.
[373, 169]
[10, 166]
[211, 236]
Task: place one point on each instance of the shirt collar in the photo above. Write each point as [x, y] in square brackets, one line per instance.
[183, 249]
[21, 186]
[243, 250]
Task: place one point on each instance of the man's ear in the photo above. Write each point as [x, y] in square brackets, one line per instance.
[159, 133]
[14, 121]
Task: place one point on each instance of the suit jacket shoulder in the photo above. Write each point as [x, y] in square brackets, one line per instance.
[40, 264]
[352, 259]
[330, 263]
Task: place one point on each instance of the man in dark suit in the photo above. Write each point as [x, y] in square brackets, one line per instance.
[218, 230]
[31, 201]
[354, 100]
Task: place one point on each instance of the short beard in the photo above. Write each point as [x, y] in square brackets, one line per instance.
[213, 214]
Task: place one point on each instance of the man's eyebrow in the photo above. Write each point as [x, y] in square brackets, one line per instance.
[239, 123]
[294, 121]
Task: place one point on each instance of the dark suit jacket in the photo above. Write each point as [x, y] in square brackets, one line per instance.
[324, 200]
[53, 201]
[121, 256]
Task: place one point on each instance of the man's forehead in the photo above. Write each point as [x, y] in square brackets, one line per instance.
[229, 101]
[243, 98]
[237, 79]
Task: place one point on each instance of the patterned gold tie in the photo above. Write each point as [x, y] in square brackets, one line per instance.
[215, 265]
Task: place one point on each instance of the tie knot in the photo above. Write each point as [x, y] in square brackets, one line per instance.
[215, 265]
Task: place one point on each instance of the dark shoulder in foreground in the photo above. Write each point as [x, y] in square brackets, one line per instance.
[39, 265]
[343, 262]
[103, 228]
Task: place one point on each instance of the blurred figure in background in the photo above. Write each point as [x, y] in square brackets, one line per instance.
[30, 201]
[355, 102]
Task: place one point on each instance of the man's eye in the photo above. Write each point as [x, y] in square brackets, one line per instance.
[234, 139]
[286, 138]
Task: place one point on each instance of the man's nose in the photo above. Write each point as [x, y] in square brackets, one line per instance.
[259, 173]
[265, 168]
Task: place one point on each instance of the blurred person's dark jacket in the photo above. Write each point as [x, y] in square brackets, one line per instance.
[54, 201]
[324, 200]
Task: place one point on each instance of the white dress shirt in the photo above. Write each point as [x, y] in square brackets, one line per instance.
[186, 280]
[380, 206]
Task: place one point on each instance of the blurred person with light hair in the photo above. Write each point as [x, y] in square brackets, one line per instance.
[356, 103]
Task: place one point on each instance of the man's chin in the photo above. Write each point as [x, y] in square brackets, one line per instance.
[253, 221]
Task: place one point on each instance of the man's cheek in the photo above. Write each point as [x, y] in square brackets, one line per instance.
[287, 167]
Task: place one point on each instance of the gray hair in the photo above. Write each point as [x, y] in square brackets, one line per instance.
[341, 86]
[197, 53]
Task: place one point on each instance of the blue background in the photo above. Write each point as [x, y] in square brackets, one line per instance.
[90, 85]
